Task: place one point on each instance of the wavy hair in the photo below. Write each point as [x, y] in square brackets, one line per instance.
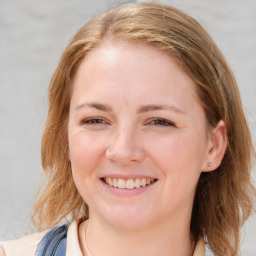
[224, 197]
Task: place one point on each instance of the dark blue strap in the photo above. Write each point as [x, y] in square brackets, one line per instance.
[54, 243]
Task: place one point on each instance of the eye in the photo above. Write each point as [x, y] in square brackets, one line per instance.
[161, 122]
[94, 120]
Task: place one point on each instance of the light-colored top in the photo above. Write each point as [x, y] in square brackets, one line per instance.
[27, 245]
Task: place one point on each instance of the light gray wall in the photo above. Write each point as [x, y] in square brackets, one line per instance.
[33, 34]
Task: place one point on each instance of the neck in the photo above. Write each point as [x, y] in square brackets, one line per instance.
[165, 239]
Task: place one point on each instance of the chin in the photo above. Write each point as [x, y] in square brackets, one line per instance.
[127, 219]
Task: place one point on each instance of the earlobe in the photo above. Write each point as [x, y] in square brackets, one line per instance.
[216, 148]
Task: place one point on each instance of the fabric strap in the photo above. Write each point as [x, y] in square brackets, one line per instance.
[54, 243]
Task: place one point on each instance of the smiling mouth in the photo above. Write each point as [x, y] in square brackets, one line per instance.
[128, 184]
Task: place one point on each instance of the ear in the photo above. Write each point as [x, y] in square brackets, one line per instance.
[217, 144]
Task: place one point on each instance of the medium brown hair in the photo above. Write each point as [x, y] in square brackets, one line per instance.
[223, 200]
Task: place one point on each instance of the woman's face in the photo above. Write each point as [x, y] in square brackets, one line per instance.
[137, 136]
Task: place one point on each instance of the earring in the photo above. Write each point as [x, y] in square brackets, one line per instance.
[210, 164]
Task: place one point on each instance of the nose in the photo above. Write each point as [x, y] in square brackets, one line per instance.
[124, 149]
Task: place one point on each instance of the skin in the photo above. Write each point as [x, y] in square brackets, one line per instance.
[135, 113]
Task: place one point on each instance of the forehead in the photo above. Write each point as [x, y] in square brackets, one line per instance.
[126, 67]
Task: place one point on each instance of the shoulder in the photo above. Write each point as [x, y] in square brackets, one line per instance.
[28, 245]
[200, 248]
[24, 246]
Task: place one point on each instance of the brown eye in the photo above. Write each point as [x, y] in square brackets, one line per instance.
[94, 121]
[161, 122]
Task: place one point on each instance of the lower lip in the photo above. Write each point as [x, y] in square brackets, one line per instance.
[125, 191]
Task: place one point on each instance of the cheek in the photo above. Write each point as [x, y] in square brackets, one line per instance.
[85, 153]
[179, 155]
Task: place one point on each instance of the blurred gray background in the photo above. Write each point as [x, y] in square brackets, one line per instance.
[33, 34]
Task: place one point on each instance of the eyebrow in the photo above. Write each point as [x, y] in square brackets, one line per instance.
[96, 105]
[147, 108]
[142, 109]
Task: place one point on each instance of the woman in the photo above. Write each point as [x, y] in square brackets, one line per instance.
[146, 148]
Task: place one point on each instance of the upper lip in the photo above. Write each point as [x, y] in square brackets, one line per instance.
[127, 177]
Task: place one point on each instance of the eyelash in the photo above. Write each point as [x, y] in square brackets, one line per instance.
[94, 121]
[157, 122]
[161, 122]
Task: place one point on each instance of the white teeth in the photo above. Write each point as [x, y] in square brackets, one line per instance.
[114, 184]
[128, 184]
[143, 182]
[121, 183]
[109, 181]
[137, 183]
